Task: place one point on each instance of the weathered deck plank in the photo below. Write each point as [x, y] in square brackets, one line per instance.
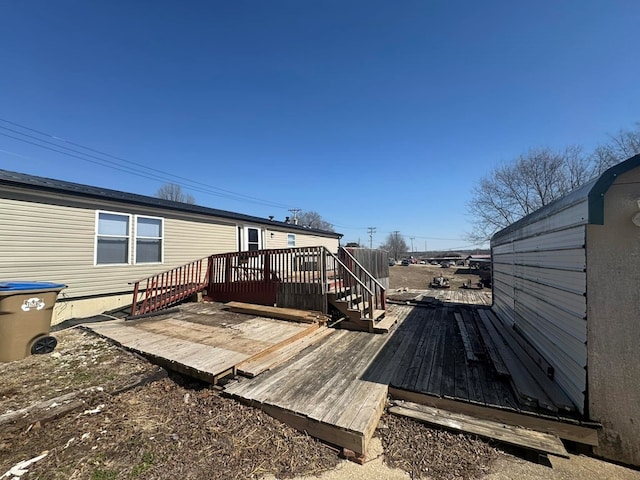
[255, 366]
[322, 390]
[509, 434]
[567, 431]
[201, 339]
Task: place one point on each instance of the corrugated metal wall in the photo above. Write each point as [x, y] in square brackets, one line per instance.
[539, 285]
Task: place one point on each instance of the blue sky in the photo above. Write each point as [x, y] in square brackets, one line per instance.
[375, 114]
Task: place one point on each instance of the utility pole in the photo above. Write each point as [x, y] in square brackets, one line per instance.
[371, 232]
[295, 212]
[412, 243]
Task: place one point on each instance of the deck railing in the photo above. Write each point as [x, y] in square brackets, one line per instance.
[169, 287]
[294, 275]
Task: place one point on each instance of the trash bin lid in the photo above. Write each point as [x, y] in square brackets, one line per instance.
[28, 285]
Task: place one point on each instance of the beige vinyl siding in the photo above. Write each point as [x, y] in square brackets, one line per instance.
[280, 240]
[56, 243]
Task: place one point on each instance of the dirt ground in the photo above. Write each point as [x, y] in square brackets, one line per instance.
[85, 412]
[419, 276]
[93, 411]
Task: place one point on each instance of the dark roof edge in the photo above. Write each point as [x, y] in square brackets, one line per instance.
[596, 195]
[593, 190]
[52, 185]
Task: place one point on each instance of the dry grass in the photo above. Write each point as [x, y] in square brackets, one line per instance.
[424, 452]
[165, 430]
[179, 428]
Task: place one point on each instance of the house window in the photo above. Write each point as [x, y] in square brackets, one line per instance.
[291, 240]
[253, 239]
[149, 240]
[112, 239]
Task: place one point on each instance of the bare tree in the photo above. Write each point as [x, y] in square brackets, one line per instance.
[516, 189]
[531, 181]
[173, 192]
[313, 219]
[622, 145]
[395, 245]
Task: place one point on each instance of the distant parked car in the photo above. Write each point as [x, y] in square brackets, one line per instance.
[445, 264]
[433, 262]
[392, 262]
[405, 262]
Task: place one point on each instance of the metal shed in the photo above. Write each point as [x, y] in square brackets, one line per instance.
[567, 278]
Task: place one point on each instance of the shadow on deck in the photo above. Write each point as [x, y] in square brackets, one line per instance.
[440, 356]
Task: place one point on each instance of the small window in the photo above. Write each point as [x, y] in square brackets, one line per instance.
[291, 240]
[253, 239]
[148, 240]
[112, 242]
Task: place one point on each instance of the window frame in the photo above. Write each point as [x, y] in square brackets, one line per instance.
[291, 240]
[246, 242]
[97, 235]
[136, 237]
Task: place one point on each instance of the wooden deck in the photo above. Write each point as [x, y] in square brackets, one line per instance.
[333, 384]
[436, 297]
[440, 356]
[322, 392]
[207, 342]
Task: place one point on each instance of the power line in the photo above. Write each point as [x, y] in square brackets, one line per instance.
[152, 174]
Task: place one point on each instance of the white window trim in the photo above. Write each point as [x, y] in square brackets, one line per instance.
[96, 235]
[136, 237]
[245, 240]
[294, 240]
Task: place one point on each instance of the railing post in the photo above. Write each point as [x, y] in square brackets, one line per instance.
[323, 269]
[134, 305]
[267, 267]
[209, 274]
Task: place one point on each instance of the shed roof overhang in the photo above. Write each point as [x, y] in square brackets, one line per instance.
[593, 192]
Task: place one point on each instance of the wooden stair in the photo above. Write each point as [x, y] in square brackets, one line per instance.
[356, 312]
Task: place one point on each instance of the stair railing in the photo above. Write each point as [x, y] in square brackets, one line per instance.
[378, 290]
[169, 287]
[347, 282]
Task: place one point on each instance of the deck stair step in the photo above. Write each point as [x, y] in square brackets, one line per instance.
[352, 297]
[361, 307]
[385, 324]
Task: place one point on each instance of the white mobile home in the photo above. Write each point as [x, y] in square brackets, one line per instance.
[567, 278]
[97, 241]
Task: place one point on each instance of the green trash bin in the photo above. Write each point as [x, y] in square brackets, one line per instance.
[25, 318]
